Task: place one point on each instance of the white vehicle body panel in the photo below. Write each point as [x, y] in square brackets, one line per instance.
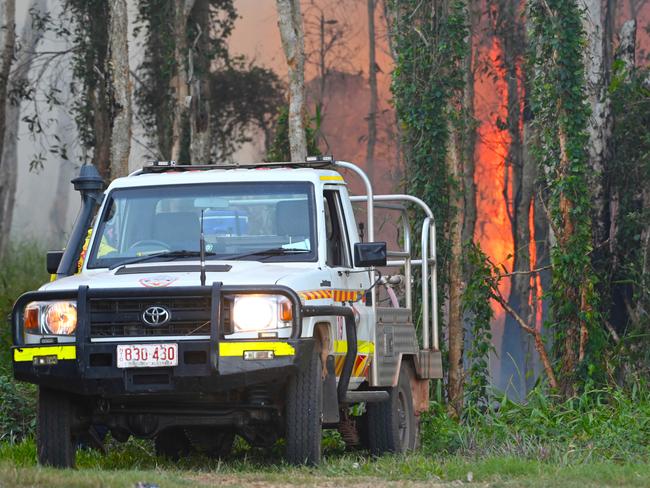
[300, 276]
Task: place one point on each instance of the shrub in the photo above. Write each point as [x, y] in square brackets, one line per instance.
[606, 424]
[22, 269]
[17, 409]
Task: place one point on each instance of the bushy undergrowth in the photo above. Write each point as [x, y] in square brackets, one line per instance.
[607, 424]
[21, 269]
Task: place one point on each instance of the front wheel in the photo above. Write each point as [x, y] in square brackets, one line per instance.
[391, 424]
[54, 440]
[304, 414]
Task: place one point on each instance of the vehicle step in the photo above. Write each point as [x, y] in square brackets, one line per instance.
[366, 396]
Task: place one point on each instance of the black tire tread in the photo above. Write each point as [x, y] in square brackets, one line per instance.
[383, 423]
[303, 414]
[55, 445]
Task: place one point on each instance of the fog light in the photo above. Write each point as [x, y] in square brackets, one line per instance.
[253, 355]
[45, 360]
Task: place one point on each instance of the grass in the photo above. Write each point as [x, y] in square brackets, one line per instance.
[134, 463]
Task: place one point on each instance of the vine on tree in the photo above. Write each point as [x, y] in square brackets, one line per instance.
[561, 115]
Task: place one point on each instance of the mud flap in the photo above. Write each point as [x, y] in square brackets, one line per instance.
[330, 398]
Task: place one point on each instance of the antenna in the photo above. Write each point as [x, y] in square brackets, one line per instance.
[202, 250]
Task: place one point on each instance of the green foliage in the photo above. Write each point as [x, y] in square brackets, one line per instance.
[431, 40]
[629, 177]
[88, 20]
[560, 119]
[249, 97]
[241, 96]
[22, 269]
[154, 94]
[599, 425]
[279, 149]
[478, 312]
[17, 409]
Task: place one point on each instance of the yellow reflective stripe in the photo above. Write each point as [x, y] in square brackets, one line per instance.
[363, 347]
[238, 348]
[331, 178]
[61, 352]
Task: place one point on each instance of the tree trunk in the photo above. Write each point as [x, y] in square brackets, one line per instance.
[97, 99]
[627, 46]
[372, 81]
[29, 40]
[291, 33]
[200, 129]
[99, 90]
[7, 168]
[400, 176]
[182, 10]
[59, 209]
[456, 282]
[469, 146]
[597, 67]
[121, 86]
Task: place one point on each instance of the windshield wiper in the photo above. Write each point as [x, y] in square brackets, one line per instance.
[274, 251]
[162, 254]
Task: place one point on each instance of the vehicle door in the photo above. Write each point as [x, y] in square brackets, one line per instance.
[347, 285]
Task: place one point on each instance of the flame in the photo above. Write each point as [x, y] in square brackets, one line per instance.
[493, 231]
[536, 291]
[493, 227]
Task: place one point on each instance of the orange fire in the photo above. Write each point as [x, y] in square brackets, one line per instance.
[493, 227]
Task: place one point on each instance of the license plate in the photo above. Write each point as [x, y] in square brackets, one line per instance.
[147, 355]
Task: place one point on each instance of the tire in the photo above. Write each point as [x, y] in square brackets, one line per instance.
[172, 443]
[304, 414]
[54, 440]
[213, 442]
[392, 427]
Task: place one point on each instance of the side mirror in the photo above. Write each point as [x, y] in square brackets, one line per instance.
[53, 260]
[368, 254]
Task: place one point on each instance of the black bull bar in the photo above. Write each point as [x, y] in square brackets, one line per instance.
[216, 291]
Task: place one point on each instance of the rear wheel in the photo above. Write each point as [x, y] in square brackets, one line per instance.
[172, 443]
[54, 439]
[391, 424]
[303, 414]
[213, 442]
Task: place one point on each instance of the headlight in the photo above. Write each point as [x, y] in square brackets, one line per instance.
[61, 318]
[251, 313]
[56, 318]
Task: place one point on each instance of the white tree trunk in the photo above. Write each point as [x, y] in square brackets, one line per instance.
[600, 124]
[119, 71]
[59, 209]
[293, 44]
[627, 45]
[7, 167]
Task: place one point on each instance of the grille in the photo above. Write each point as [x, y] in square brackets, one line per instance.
[122, 317]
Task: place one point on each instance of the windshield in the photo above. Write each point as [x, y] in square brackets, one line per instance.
[270, 221]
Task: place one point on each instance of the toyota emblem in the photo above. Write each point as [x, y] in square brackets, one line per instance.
[156, 315]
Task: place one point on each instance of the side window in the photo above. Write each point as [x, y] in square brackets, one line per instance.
[338, 254]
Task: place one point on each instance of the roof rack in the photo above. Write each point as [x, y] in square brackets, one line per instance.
[317, 162]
